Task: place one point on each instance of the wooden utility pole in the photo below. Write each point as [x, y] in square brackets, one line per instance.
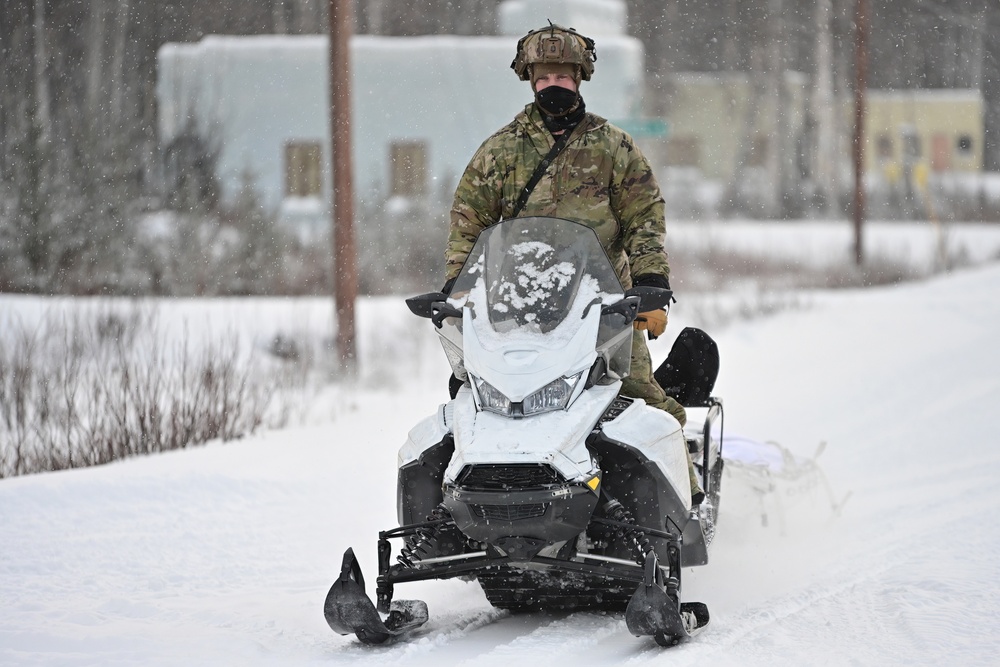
[345, 275]
[861, 28]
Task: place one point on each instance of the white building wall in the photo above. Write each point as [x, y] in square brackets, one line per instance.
[589, 17]
[253, 94]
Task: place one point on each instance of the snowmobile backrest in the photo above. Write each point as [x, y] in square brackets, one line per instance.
[689, 372]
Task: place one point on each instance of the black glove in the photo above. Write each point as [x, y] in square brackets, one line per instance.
[449, 284]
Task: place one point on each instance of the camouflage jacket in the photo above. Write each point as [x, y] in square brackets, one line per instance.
[600, 179]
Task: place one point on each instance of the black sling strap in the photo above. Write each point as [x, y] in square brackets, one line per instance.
[557, 147]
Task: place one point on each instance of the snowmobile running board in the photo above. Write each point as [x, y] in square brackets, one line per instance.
[652, 611]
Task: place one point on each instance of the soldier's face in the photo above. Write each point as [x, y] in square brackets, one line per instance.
[561, 79]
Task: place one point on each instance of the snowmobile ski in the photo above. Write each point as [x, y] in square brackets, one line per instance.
[349, 610]
[654, 611]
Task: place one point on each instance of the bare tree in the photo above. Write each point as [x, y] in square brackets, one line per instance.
[825, 157]
[41, 72]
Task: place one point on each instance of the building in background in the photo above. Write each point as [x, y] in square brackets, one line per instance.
[422, 105]
[925, 152]
[727, 141]
[924, 130]
[715, 129]
[717, 145]
[724, 134]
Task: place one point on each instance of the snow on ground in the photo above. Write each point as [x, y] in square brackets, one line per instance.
[223, 554]
[920, 246]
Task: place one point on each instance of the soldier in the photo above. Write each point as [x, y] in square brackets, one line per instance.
[598, 178]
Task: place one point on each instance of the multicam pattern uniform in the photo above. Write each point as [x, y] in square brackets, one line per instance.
[600, 179]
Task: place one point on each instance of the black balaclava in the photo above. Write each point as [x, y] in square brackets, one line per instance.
[562, 109]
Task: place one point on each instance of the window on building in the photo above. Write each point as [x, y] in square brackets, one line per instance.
[758, 151]
[408, 162]
[683, 152]
[884, 146]
[302, 169]
[911, 145]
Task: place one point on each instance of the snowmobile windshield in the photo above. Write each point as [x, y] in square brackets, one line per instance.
[535, 276]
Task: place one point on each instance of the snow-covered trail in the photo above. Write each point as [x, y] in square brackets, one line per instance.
[223, 554]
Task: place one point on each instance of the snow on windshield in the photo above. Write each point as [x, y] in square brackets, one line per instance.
[537, 281]
[534, 277]
[539, 301]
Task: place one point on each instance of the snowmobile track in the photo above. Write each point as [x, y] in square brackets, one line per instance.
[532, 591]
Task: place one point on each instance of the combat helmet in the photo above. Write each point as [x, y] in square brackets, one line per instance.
[554, 44]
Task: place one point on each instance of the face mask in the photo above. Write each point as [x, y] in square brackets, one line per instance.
[556, 100]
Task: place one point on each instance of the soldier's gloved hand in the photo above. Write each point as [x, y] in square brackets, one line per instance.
[653, 322]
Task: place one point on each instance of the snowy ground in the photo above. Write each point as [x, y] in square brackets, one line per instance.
[223, 554]
[827, 244]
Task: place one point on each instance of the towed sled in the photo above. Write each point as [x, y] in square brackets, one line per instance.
[537, 480]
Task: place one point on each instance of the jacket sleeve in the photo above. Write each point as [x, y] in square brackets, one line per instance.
[477, 205]
[638, 204]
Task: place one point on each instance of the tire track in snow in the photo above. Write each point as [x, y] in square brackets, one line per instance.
[548, 638]
[428, 644]
[493, 637]
[894, 601]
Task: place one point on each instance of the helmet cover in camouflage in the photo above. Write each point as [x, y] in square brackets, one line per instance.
[554, 44]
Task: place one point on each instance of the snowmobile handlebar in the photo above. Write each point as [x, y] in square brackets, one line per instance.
[628, 308]
[433, 305]
[423, 305]
[651, 298]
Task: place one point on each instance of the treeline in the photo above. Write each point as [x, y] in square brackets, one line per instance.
[81, 169]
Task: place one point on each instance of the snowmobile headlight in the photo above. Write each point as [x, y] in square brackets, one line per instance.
[553, 396]
[492, 399]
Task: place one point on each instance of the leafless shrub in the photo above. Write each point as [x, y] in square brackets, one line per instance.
[720, 286]
[87, 390]
[716, 311]
[712, 269]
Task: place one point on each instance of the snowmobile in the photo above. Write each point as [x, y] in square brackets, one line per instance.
[537, 479]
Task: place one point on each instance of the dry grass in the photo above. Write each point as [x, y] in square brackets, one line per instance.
[93, 389]
[719, 287]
